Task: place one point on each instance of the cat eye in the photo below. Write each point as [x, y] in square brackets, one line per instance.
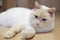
[44, 19]
[36, 16]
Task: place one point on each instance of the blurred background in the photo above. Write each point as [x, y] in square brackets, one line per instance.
[54, 35]
[5, 4]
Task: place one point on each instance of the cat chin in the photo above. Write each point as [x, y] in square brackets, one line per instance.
[45, 29]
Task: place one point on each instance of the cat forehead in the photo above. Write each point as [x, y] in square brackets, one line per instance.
[41, 12]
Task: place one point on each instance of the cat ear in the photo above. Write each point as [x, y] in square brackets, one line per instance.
[36, 5]
[52, 10]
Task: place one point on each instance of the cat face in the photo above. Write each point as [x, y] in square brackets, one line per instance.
[43, 16]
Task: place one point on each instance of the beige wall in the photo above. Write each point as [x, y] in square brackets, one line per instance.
[30, 3]
[22, 3]
[8, 4]
[56, 3]
[51, 3]
[26, 3]
[45, 2]
[11, 3]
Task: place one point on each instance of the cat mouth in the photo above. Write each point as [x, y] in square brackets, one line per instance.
[39, 26]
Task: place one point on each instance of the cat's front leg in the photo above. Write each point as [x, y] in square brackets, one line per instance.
[9, 34]
[27, 33]
[15, 29]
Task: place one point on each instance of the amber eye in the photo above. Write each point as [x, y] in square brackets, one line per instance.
[44, 19]
[36, 16]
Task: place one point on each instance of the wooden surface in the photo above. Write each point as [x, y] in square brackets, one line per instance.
[54, 35]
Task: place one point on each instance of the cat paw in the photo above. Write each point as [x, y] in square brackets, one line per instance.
[9, 35]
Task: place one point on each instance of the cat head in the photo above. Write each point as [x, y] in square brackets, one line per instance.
[42, 16]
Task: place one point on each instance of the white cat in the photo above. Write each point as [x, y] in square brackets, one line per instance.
[27, 21]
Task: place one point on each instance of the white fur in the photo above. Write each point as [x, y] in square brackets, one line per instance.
[44, 7]
[20, 16]
[14, 15]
